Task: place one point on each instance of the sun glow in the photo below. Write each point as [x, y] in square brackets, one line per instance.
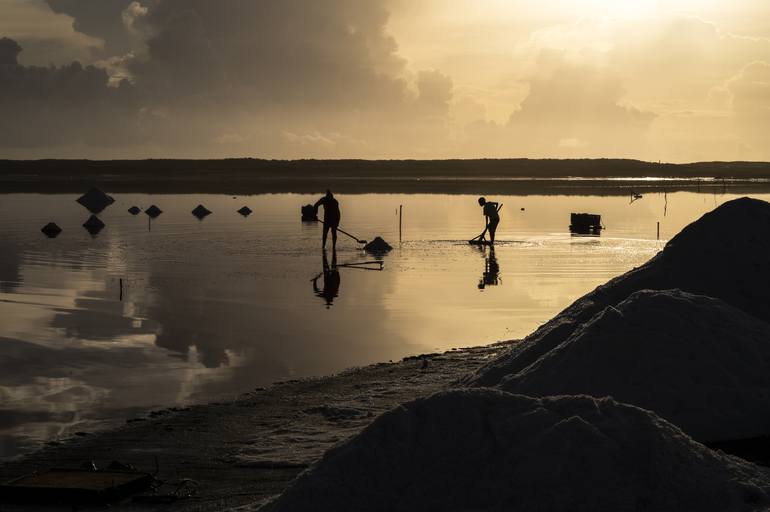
[628, 9]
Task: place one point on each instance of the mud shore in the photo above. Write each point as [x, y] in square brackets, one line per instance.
[235, 455]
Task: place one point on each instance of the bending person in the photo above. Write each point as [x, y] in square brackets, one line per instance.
[331, 216]
[491, 213]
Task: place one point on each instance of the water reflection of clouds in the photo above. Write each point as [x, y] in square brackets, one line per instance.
[10, 274]
[219, 307]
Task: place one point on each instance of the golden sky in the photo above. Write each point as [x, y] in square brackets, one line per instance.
[670, 80]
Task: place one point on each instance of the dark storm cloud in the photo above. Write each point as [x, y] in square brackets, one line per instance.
[102, 19]
[301, 52]
[245, 75]
[58, 105]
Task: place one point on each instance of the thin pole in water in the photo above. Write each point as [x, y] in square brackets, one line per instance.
[658, 230]
[121, 289]
[400, 214]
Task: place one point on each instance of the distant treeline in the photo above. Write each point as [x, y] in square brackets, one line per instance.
[246, 175]
[514, 167]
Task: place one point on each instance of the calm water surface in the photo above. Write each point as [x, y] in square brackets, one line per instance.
[212, 309]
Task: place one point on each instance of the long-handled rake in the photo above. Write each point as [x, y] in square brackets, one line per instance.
[346, 233]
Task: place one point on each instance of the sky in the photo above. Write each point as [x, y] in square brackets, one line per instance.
[656, 80]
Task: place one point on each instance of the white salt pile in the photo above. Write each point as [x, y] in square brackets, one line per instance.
[487, 450]
[723, 254]
[696, 361]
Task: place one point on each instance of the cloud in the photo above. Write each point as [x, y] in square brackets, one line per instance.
[333, 54]
[58, 105]
[301, 78]
[579, 107]
[48, 37]
[435, 91]
[204, 71]
[101, 19]
[133, 14]
[750, 101]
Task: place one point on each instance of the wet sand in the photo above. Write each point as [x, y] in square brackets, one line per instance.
[240, 453]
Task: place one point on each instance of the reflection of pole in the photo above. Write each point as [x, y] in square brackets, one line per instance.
[121, 289]
[400, 213]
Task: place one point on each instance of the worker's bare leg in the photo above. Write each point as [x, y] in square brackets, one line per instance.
[334, 238]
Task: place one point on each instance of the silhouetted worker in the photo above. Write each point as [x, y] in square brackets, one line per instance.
[331, 277]
[331, 216]
[492, 216]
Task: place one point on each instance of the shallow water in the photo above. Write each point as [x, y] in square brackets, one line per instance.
[213, 308]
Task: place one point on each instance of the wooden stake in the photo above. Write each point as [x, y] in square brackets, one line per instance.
[400, 213]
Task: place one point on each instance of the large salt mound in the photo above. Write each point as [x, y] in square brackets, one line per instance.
[723, 254]
[695, 361]
[489, 450]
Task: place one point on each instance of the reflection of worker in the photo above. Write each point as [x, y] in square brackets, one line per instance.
[492, 217]
[331, 216]
[491, 275]
[331, 280]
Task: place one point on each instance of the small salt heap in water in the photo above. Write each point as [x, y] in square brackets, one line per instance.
[378, 246]
[95, 201]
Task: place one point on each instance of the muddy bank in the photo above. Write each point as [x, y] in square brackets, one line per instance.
[242, 452]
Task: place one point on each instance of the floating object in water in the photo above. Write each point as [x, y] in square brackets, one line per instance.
[309, 213]
[95, 201]
[93, 225]
[245, 211]
[153, 211]
[134, 210]
[378, 246]
[75, 486]
[522, 209]
[201, 212]
[585, 223]
[51, 230]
